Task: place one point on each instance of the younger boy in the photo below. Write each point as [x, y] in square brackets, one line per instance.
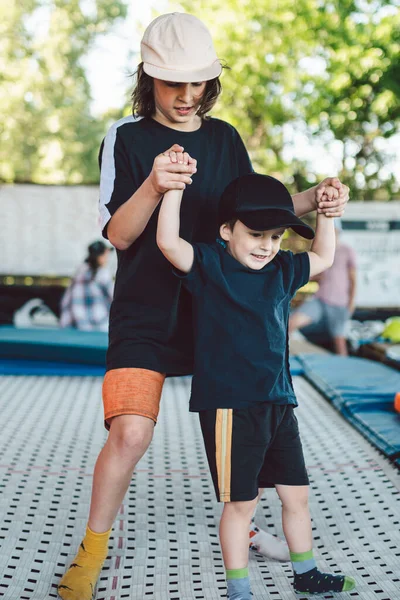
[241, 387]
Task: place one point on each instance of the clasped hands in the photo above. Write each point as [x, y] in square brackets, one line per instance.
[173, 170]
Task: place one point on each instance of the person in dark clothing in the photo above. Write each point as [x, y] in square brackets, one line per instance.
[241, 387]
[150, 333]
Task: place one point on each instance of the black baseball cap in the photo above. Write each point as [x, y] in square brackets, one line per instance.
[260, 202]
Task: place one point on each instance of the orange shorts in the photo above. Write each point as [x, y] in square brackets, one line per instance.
[131, 391]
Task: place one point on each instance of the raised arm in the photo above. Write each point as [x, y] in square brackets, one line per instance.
[322, 251]
[312, 199]
[131, 218]
[175, 249]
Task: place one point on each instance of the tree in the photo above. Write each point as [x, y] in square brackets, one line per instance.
[329, 70]
[358, 96]
[47, 134]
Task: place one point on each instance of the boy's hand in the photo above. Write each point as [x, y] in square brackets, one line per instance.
[329, 193]
[336, 206]
[182, 158]
[169, 174]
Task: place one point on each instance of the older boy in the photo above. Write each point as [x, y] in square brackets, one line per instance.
[242, 387]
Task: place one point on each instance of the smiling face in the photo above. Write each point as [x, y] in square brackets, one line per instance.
[253, 249]
[177, 104]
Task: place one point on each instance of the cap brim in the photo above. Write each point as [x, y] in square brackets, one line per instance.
[205, 74]
[263, 220]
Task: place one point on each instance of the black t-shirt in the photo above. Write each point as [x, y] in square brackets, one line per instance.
[151, 314]
[240, 319]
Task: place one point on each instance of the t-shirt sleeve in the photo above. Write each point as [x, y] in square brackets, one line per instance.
[194, 281]
[298, 266]
[116, 178]
[243, 159]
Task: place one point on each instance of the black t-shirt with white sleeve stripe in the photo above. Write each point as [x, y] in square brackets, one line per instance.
[151, 313]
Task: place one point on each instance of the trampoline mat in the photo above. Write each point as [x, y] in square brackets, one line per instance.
[165, 539]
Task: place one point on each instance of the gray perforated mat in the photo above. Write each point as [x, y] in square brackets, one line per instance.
[164, 543]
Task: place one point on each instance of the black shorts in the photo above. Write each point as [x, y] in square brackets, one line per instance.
[252, 448]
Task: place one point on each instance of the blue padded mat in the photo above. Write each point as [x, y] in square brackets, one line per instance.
[351, 382]
[62, 346]
[296, 368]
[38, 367]
[363, 391]
[54, 345]
[381, 427]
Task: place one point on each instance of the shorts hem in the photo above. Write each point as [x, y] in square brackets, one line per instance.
[120, 414]
[238, 498]
[169, 372]
[269, 484]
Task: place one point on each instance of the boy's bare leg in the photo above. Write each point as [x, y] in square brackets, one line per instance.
[296, 523]
[234, 538]
[264, 543]
[128, 440]
[296, 520]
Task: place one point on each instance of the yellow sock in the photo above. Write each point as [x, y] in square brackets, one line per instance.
[79, 581]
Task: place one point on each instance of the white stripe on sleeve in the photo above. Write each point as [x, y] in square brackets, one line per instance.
[107, 173]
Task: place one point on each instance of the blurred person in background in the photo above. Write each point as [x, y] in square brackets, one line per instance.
[86, 303]
[329, 310]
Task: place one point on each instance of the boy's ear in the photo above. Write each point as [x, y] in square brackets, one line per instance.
[225, 232]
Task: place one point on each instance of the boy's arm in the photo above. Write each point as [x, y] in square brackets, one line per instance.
[175, 249]
[313, 199]
[322, 250]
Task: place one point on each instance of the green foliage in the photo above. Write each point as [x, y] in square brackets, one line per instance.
[358, 100]
[47, 134]
[347, 94]
[326, 69]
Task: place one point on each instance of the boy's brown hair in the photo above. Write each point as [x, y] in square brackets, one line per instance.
[143, 103]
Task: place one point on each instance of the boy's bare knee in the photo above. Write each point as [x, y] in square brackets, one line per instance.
[243, 509]
[130, 435]
[293, 498]
[302, 501]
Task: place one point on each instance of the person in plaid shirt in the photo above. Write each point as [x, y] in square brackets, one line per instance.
[86, 303]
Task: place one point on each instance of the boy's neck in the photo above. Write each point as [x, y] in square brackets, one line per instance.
[192, 125]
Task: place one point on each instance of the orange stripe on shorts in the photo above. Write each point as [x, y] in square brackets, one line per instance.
[132, 391]
[223, 451]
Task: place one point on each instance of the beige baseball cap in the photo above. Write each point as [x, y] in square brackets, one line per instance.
[178, 47]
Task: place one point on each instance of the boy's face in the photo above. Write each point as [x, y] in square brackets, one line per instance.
[253, 249]
[177, 103]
